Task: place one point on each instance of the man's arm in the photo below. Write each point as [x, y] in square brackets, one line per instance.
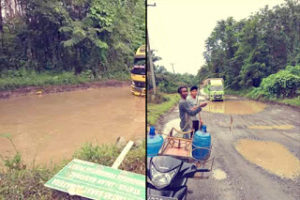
[186, 108]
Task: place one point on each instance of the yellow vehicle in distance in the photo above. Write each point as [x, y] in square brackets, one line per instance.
[214, 88]
[138, 72]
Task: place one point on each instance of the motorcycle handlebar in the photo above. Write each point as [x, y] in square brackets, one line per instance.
[203, 170]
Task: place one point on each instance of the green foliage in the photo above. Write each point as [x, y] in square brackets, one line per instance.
[25, 184]
[14, 163]
[28, 183]
[154, 111]
[135, 160]
[105, 154]
[245, 52]
[12, 79]
[283, 84]
[75, 36]
[169, 82]
[291, 101]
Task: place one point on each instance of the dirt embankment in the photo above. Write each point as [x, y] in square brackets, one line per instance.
[60, 88]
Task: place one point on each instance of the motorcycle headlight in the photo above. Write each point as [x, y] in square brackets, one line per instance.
[161, 180]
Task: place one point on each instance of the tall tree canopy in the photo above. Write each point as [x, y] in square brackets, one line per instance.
[70, 35]
[246, 51]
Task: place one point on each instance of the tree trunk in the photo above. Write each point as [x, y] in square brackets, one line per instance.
[1, 27]
[1, 19]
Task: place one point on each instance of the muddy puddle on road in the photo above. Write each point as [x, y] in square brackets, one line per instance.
[272, 127]
[238, 107]
[271, 156]
[51, 127]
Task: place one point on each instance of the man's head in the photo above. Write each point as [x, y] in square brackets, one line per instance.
[183, 91]
[194, 91]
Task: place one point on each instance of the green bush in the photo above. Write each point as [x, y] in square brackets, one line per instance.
[104, 155]
[22, 78]
[284, 83]
[154, 110]
[28, 183]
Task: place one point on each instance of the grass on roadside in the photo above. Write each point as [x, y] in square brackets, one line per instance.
[293, 101]
[154, 111]
[28, 183]
[247, 93]
[16, 79]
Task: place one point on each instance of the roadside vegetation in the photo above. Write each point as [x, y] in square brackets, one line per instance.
[20, 182]
[17, 79]
[282, 87]
[258, 57]
[157, 109]
[68, 42]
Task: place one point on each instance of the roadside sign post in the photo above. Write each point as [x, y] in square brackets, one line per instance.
[94, 181]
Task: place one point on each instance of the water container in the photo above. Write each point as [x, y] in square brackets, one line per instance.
[154, 142]
[201, 139]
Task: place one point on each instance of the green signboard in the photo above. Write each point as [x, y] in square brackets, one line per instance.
[96, 181]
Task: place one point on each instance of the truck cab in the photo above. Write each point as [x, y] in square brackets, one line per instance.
[215, 89]
[138, 72]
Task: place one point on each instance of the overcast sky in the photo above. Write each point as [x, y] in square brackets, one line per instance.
[178, 28]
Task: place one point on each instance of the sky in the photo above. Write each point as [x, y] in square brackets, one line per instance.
[178, 28]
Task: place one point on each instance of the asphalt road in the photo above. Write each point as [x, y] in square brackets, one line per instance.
[240, 178]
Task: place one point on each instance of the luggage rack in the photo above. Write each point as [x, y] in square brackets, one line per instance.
[179, 147]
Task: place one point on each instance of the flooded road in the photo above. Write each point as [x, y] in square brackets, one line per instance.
[51, 127]
[256, 148]
[237, 107]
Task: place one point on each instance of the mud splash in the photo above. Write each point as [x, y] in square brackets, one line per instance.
[245, 107]
[278, 127]
[271, 156]
[51, 127]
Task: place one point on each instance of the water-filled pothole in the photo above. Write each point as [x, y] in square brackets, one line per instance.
[51, 127]
[235, 107]
[278, 127]
[271, 156]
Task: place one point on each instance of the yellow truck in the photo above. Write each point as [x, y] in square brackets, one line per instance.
[215, 89]
[138, 72]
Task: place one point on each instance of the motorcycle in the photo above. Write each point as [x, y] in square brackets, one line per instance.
[167, 177]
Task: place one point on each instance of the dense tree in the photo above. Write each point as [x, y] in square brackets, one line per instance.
[244, 52]
[71, 35]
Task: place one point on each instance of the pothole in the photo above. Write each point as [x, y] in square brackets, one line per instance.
[219, 174]
[279, 127]
[271, 156]
[235, 107]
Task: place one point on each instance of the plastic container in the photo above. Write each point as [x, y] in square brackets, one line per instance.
[154, 142]
[201, 144]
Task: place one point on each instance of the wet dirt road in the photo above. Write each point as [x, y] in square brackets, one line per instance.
[49, 128]
[256, 149]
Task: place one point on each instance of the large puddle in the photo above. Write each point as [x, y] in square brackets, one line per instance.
[244, 107]
[51, 127]
[271, 127]
[271, 156]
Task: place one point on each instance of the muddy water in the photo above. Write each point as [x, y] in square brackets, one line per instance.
[243, 107]
[271, 156]
[51, 127]
[278, 127]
